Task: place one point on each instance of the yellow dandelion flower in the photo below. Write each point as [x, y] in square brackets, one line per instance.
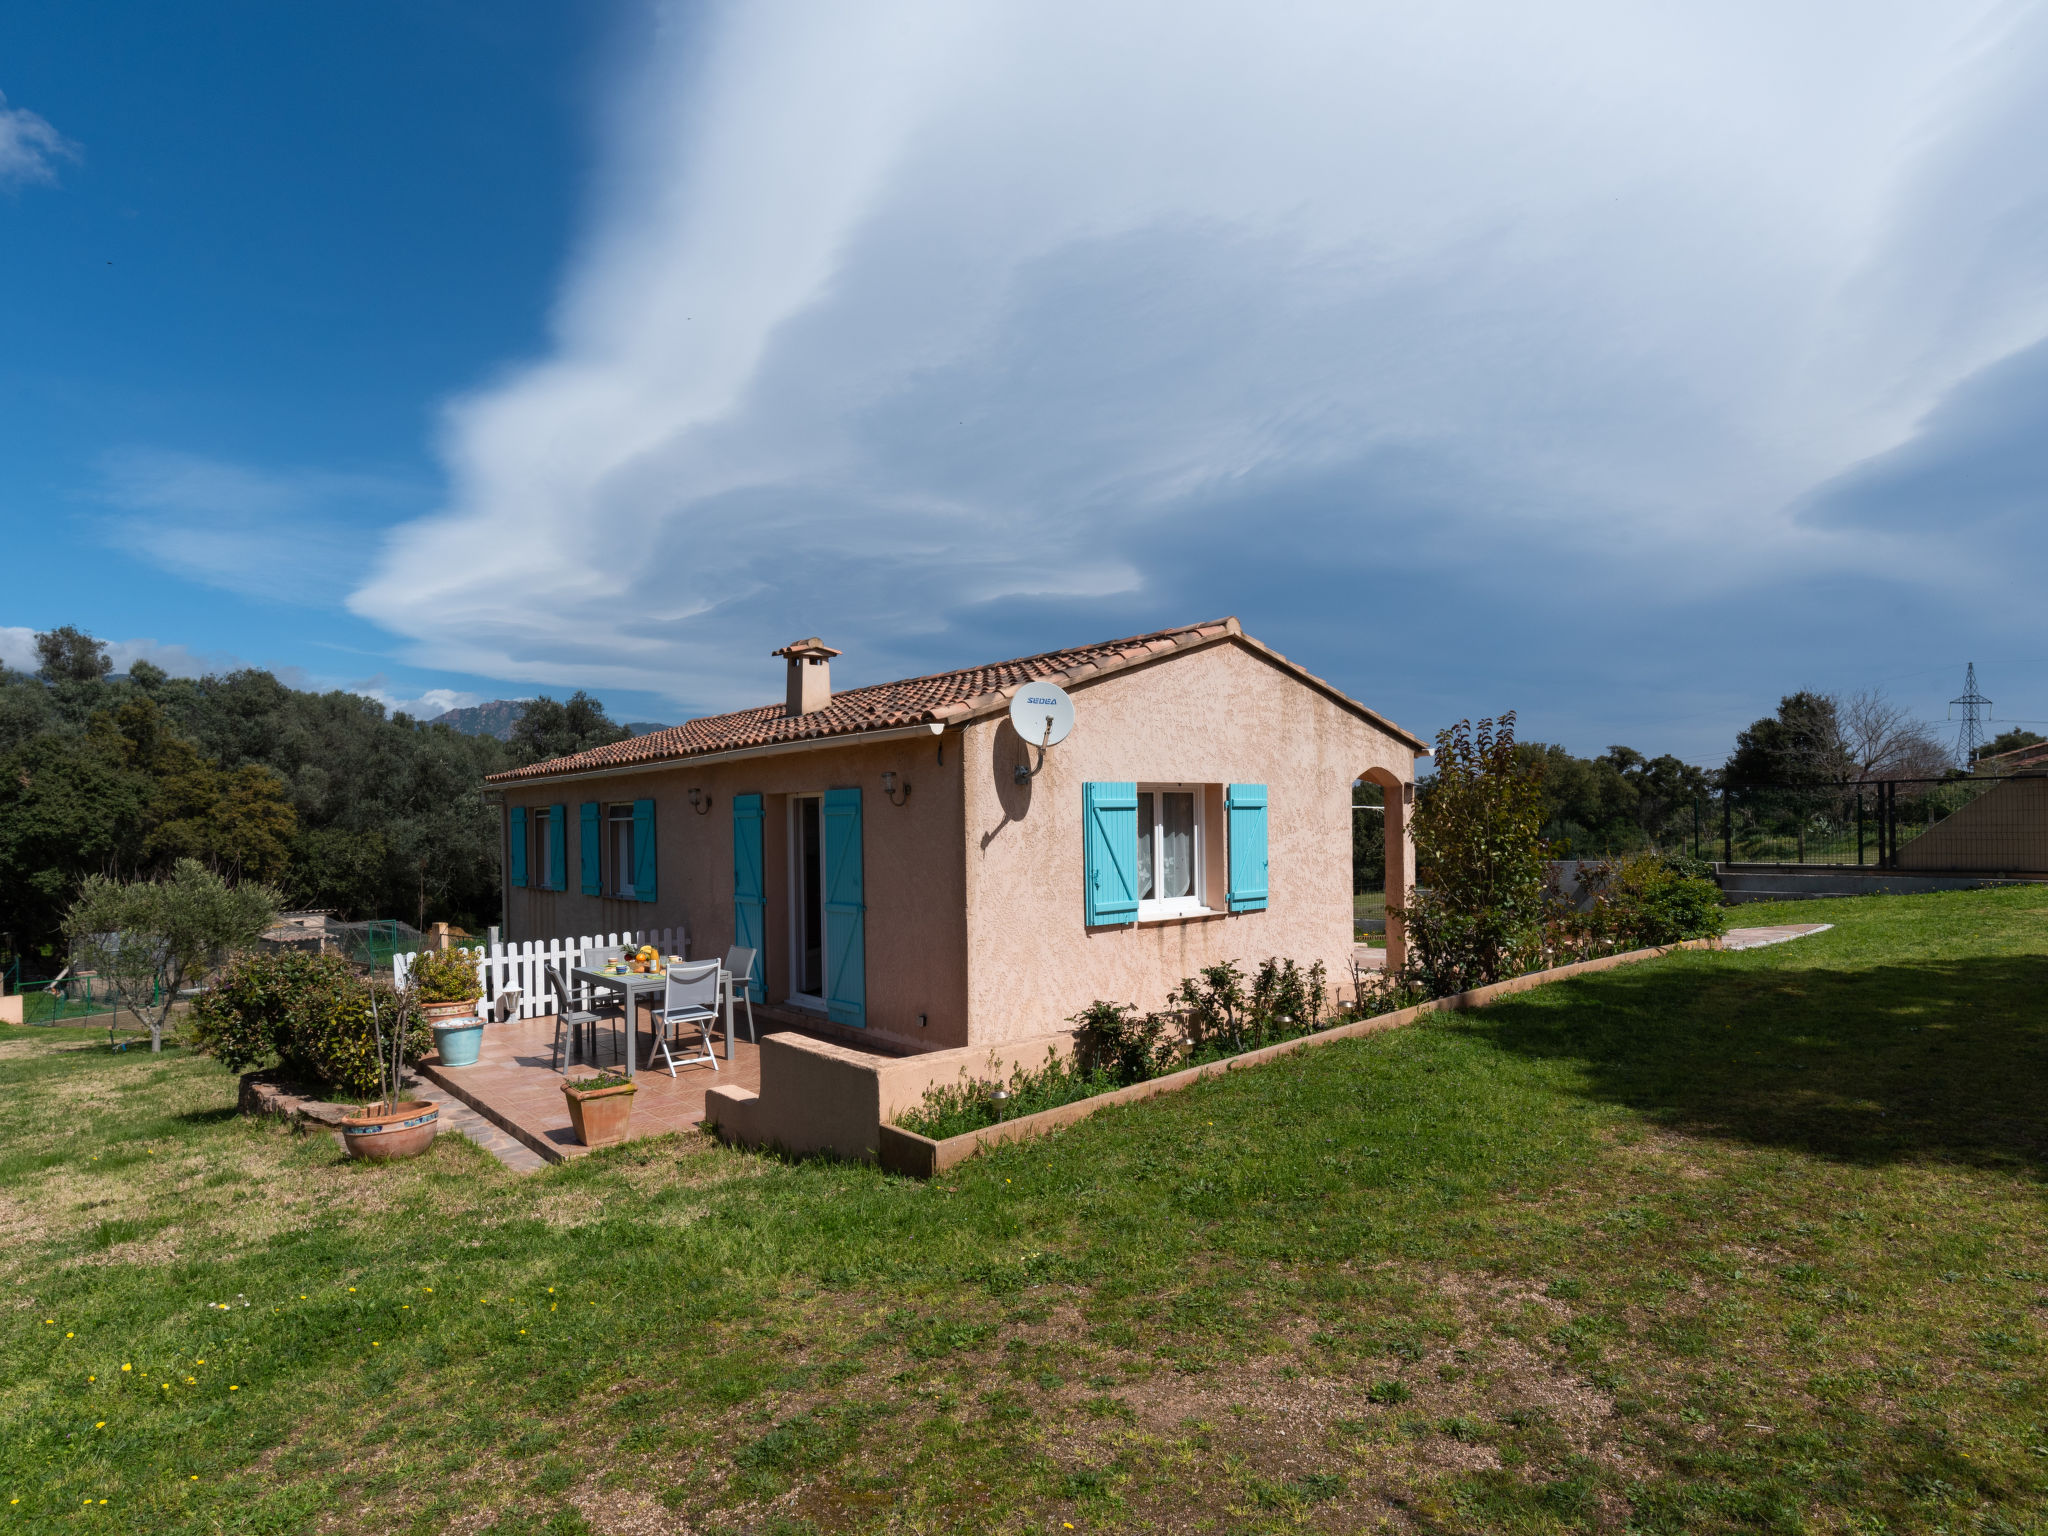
[199, 1362]
[376, 1344]
[127, 1367]
[101, 1425]
[70, 1335]
[234, 1388]
[351, 1288]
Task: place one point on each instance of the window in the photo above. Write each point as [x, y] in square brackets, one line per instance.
[619, 851]
[1170, 851]
[547, 858]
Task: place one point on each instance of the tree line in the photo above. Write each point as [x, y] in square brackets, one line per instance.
[1623, 800]
[324, 796]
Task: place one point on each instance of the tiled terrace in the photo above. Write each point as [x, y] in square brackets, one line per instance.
[516, 1087]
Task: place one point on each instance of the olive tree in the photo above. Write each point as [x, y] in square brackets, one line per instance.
[150, 939]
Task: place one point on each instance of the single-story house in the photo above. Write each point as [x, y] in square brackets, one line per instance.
[898, 875]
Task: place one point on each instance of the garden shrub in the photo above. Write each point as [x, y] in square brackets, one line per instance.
[446, 976]
[1656, 899]
[1478, 913]
[1118, 1042]
[310, 1011]
[1220, 1012]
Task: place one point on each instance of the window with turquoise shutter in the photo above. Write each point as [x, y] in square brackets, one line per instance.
[644, 885]
[558, 848]
[589, 847]
[1245, 810]
[846, 953]
[749, 893]
[516, 842]
[1109, 815]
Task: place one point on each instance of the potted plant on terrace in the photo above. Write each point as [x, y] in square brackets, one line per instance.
[600, 1108]
[449, 992]
[393, 1127]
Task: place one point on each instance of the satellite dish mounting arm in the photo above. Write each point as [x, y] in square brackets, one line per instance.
[1026, 773]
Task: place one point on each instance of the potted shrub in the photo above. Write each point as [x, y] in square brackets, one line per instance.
[600, 1108]
[449, 993]
[394, 1126]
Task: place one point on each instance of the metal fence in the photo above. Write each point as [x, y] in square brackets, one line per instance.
[1987, 824]
[1976, 824]
[66, 1001]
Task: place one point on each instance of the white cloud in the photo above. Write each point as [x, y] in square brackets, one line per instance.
[29, 147]
[421, 706]
[898, 319]
[291, 535]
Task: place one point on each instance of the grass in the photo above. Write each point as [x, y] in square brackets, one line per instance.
[1720, 1242]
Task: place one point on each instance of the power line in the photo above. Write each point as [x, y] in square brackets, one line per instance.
[1970, 736]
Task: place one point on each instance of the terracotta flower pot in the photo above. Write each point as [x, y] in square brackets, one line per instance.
[435, 1013]
[381, 1137]
[599, 1115]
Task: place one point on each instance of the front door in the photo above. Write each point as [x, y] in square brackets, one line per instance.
[807, 898]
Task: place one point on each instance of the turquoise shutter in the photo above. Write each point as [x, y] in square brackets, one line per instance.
[1110, 849]
[589, 833]
[558, 847]
[519, 845]
[1246, 811]
[749, 896]
[846, 934]
[643, 850]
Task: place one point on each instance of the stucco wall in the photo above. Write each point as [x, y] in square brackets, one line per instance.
[1221, 715]
[916, 925]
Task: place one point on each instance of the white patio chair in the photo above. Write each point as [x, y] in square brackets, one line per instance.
[691, 1000]
[739, 965]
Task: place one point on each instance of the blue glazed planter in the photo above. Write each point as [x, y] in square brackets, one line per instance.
[459, 1042]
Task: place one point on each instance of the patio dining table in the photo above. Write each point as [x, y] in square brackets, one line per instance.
[633, 986]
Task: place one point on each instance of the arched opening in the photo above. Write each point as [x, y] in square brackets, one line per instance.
[1380, 807]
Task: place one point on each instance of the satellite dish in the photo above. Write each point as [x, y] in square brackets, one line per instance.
[1042, 714]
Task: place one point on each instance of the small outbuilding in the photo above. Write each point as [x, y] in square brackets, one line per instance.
[913, 875]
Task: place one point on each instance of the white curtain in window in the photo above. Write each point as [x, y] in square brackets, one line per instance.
[1177, 846]
[1147, 887]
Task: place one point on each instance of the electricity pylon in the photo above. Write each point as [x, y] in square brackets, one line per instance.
[1970, 734]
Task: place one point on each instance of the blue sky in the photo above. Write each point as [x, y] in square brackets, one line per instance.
[1624, 366]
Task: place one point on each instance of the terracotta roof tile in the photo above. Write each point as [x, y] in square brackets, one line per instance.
[941, 697]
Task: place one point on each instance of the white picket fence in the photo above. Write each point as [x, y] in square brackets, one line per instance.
[501, 966]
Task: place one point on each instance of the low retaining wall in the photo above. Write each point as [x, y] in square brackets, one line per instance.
[817, 1096]
[10, 1009]
[921, 1157]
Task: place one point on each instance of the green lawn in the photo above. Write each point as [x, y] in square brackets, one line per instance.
[1717, 1242]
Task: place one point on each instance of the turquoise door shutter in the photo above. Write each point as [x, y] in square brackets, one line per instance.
[589, 830]
[1245, 809]
[643, 850]
[749, 895]
[1110, 853]
[558, 847]
[846, 921]
[519, 845]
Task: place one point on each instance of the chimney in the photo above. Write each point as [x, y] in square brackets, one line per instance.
[810, 674]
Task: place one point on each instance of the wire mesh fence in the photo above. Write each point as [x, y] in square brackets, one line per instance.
[1979, 824]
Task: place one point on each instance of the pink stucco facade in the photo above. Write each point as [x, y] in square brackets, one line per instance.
[975, 923]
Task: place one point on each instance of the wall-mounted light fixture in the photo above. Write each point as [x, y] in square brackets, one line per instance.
[700, 802]
[889, 789]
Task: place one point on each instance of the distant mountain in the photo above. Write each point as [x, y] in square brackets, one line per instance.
[499, 716]
[493, 719]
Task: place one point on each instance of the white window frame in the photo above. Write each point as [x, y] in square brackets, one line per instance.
[1158, 909]
[540, 873]
[612, 877]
